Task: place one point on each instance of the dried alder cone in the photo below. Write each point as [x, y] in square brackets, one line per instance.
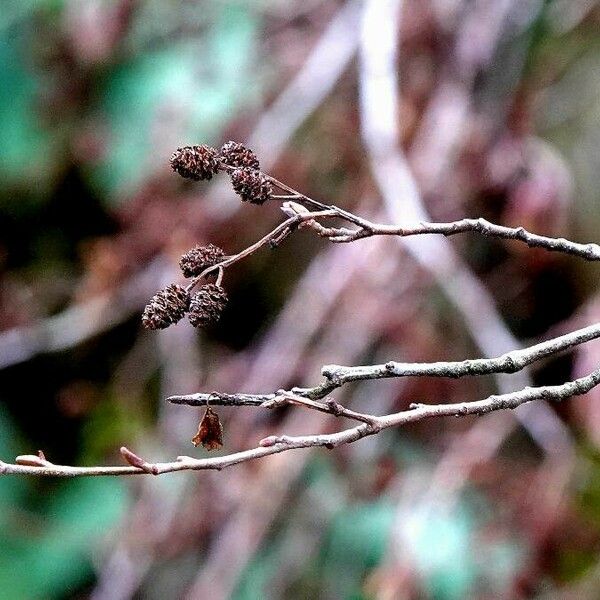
[251, 185]
[199, 258]
[235, 154]
[166, 307]
[195, 162]
[210, 431]
[207, 305]
[171, 304]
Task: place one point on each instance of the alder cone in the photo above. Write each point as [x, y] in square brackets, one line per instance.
[207, 305]
[251, 185]
[194, 261]
[195, 162]
[167, 306]
[235, 154]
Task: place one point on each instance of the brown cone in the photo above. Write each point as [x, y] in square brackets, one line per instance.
[194, 261]
[166, 307]
[237, 155]
[195, 162]
[251, 185]
[207, 305]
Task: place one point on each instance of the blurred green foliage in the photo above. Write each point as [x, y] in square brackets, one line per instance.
[209, 80]
[26, 145]
[47, 539]
[440, 541]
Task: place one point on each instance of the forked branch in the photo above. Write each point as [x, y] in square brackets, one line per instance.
[29, 465]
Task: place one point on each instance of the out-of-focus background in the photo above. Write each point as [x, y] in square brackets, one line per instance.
[399, 110]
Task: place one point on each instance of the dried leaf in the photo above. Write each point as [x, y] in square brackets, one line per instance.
[210, 431]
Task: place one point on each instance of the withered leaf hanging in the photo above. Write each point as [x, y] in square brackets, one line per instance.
[210, 431]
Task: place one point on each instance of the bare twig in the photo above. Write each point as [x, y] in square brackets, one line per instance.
[300, 211]
[299, 216]
[284, 397]
[136, 461]
[275, 444]
[484, 227]
[337, 376]
[283, 229]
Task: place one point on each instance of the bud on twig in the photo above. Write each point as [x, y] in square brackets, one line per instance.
[137, 461]
[166, 307]
[32, 460]
[194, 261]
[251, 185]
[195, 162]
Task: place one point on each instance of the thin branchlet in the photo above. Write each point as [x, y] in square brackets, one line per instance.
[369, 425]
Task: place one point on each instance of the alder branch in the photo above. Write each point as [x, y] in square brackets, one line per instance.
[40, 466]
[589, 251]
[305, 212]
[283, 229]
[366, 228]
[300, 217]
[336, 376]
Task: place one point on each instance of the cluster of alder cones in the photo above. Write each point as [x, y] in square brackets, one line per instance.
[202, 162]
[204, 307]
